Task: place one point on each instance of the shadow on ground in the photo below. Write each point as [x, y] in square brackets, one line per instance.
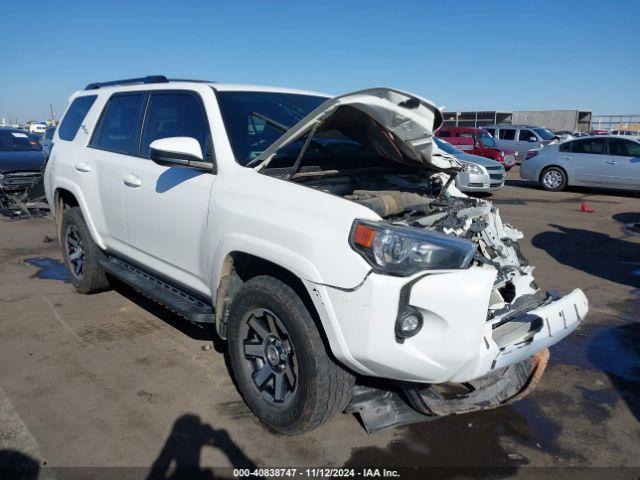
[196, 331]
[15, 465]
[592, 252]
[180, 457]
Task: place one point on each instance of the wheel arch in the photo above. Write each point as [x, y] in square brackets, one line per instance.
[560, 167]
[68, 195]
[238, 267]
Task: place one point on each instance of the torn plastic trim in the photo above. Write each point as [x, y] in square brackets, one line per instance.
[381, 408]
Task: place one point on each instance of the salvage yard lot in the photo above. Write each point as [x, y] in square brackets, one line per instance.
[114, 380]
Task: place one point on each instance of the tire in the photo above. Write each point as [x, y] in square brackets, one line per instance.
[78, 245]
[270, 328]
[553, 179]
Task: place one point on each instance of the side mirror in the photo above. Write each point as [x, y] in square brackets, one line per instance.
[532, 139]
[178, 151]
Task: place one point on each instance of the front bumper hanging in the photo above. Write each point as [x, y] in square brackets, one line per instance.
[380, 408]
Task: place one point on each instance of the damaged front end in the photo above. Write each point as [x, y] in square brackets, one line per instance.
[375, 148]
[22, 194]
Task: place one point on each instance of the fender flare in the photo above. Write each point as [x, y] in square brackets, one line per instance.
[66, 184]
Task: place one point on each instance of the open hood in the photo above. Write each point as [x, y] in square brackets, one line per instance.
[408, 121]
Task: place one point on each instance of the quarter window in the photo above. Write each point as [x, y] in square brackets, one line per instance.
[594, 146]
[117, 130]
[74, 117]
[507, 134]
[525, 135]
[175, 115]
[624, 148]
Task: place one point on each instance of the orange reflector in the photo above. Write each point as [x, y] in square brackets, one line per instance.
[364, 235]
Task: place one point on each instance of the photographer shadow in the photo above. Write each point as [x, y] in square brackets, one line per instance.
[180, 456]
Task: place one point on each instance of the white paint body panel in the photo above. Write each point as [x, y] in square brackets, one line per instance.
[182, 223]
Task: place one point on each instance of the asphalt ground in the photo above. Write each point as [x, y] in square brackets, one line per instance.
[111, 385]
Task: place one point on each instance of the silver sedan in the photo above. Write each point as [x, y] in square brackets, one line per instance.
[479, 175]
[600, 161]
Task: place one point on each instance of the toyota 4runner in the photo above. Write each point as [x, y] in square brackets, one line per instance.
[323, 238]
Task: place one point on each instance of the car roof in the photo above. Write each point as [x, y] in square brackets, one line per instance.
[469, 129]
[111, 87]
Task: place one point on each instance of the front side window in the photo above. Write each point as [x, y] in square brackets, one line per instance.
[75, 116]
[175, 115]
[595, 146]
[487, 139]
[254, 120]
[624, 148]
[507, 134]
[526, 135]
[492, 131]
[117, 129]
[17, 141]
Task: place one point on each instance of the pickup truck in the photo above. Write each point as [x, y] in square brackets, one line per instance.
[321, 237]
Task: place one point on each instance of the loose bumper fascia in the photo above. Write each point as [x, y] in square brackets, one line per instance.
[456, 342]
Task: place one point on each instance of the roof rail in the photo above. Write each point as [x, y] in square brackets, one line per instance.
[129, 81]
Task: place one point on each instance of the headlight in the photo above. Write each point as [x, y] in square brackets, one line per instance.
[473, 168]
[402, 251]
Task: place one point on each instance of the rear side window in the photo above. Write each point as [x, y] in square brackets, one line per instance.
[591, 145]
[624, 148]
[117, 130]
[74, 117]
[507, 134]
[175, 115]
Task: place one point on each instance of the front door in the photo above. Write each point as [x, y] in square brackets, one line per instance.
[586, 160]
[622, 164]
[167, 208]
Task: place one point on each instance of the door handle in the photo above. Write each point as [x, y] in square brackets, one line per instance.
[565, 158]
[83, 167]
[131, 180]
[611, 162]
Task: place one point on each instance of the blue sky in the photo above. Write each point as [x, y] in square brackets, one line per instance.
[506, 55]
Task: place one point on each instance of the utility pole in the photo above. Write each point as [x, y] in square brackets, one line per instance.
[53, 117]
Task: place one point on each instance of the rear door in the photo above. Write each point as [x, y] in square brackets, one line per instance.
[507, 138]
[585, 162]
[622, 164]
[114, 140]
[166, 208]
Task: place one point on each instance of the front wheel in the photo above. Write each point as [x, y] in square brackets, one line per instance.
[279, 361]
[553, 179]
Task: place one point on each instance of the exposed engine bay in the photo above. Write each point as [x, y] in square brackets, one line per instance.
[433, 203]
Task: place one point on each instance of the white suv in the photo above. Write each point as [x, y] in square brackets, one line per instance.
[322, 237]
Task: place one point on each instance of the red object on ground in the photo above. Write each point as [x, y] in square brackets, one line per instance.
[584, 207]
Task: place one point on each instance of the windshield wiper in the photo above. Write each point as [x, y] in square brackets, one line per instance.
[271, 121]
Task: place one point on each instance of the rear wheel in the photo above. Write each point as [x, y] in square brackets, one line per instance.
[279, 361]
[81, 254]
[553, 179]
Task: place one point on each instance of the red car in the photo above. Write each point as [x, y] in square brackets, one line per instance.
[477, 141]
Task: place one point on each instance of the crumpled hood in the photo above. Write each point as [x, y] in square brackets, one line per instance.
[410, 119]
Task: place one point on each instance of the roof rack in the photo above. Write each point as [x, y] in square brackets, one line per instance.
[129, 81]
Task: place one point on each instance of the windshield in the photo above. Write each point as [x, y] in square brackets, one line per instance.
[487, 139]
[254, 120]
[16, 141]
[447, 147]
[544, 133]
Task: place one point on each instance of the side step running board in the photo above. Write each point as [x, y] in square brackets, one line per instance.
[170, 296]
